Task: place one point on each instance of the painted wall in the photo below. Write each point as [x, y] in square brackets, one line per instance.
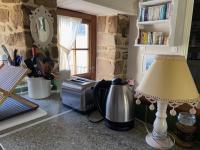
[136, 54]
[127, 6]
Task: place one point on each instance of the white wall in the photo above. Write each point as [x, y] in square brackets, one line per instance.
[126, 6]
[136, 54]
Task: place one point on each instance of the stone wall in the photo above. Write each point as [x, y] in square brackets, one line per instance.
[112, 46]
[15, 24]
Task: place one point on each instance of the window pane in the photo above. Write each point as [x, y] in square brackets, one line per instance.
[82, 61]
[82, 36]
[71, 61]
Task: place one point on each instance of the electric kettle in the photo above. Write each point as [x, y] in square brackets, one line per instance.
[115, 102]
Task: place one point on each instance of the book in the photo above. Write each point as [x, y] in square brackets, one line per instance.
[153, 13]
[163, 12]
[144, 37]
[140, 15]
[165, 39]
[150, 38]
[155, 38]
[150, 14]
[160, 38]
[168, 10]
[145, 14]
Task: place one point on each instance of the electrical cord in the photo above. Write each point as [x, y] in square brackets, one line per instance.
[147, 130]
[99, 110]
[92, 121]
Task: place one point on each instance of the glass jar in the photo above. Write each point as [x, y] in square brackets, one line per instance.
[186, 119]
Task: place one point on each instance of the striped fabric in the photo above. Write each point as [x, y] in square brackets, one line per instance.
[10, 75]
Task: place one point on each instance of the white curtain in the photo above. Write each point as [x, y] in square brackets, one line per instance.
[67, 31]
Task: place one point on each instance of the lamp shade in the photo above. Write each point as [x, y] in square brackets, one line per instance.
[169, 79]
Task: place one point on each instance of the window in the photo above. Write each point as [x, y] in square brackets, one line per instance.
[82, 57]
[79, 56]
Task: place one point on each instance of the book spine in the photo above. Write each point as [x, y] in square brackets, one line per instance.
[168, 10]
[150, 38]
[140, 14]
[146, 14]
[163, 12]
[143, 10]
[144, 37]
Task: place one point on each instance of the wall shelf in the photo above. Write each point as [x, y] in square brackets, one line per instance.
[139, 45]
[154, 2]
[154, 22]
[169, 30]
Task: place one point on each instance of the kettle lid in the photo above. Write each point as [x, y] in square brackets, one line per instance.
[118, 81]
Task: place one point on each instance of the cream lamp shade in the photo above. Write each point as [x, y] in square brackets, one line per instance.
[169, 79]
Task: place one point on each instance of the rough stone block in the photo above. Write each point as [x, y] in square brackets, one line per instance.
[47, 3]
[105, 69]
[16, 39]
[121, 41]
[2, 38]
[28, 39]
[125, 55]
[123, 25]
[54, 40]
[26, 12]
[16, 16]
[117, 55]
[110, 55]
[4, 15]
[11, 1]
[104, 39]
[101, 24]
[54, 52]
[2, 28]
[119, 65]
[9, 29]
[54, 15]
[112, 24]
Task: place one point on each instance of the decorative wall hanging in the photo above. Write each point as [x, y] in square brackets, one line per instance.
[41, 27]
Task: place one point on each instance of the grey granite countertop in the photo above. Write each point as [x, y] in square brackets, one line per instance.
[73, 131]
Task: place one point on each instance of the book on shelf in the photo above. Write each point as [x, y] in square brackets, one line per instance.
[152, 38]
[144, 37]
[168, 11]
[153, 13]
[143, 14]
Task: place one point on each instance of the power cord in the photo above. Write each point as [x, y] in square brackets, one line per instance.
[94, 121]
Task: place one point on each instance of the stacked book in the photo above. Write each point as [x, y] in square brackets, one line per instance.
[153, 13]
[153, 38]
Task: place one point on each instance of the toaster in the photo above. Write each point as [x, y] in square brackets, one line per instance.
[77, 93]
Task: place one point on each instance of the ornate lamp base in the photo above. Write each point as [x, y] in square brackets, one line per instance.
[159, 144]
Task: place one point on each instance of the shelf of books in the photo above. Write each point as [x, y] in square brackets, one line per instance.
[153, 2]
[158, 22]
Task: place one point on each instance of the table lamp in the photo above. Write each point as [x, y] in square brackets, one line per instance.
[169, 83]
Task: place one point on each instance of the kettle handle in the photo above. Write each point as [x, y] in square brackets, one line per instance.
[101, 90]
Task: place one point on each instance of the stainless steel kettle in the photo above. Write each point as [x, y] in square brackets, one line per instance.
[115, 102]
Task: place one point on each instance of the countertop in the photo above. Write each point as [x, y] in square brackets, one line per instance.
[72, 131]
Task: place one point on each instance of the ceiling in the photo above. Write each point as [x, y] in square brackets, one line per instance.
[100, 7]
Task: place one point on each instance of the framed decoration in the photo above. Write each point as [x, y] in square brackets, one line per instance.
[41, 27]
[148, 59]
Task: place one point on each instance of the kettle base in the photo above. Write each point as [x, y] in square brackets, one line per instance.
[119, 126]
